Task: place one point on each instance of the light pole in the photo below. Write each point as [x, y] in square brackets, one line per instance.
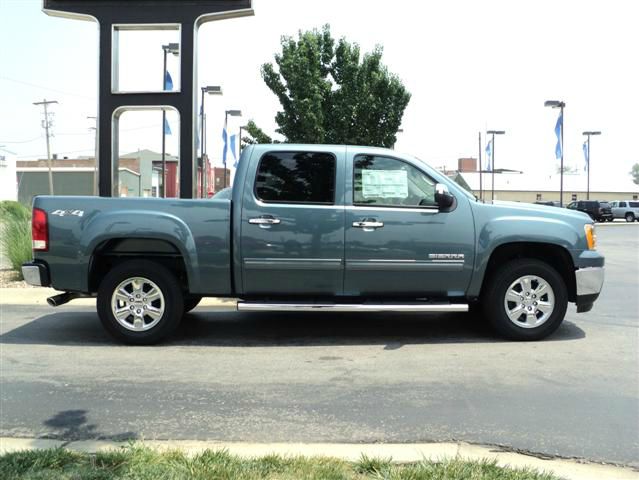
[492, 151]
[232, 113]
[95, 154]
[211, 90]
[560, 105]
[588, 134]
[173, 48]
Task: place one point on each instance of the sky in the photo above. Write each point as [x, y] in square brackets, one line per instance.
[470, 66]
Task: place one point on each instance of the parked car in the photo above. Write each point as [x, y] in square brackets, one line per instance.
[318, 228]
[628, 209]
[598, 211]
[549, 203]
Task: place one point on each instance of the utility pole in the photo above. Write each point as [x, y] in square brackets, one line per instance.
[46, 124]
[95, 154]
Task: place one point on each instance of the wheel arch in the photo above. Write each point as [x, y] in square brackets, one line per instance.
[554, 255]
[115, 251]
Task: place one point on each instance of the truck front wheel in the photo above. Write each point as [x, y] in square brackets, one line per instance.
[140, 302]
[525, 300]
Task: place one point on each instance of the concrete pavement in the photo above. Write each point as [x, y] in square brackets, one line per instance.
[400, 453]
[234, 377]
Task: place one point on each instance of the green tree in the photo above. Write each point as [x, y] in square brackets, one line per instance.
[330, 93]
[635, 173]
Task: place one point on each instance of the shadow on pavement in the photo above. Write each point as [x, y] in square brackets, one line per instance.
[73, 425]
[231, 329]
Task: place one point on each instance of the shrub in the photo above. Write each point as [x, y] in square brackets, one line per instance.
[16, 241]
[10, 209]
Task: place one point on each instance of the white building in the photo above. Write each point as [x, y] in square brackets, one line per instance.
[8, 179]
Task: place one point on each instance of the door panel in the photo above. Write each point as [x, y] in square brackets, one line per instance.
[410, 250]
[287, 247]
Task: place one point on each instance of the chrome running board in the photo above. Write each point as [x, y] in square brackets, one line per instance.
[351, 307]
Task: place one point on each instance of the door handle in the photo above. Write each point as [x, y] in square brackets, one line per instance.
[264, 221]
[368, 224]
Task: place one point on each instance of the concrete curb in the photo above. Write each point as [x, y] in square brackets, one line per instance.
[39, 295]
[400, 453]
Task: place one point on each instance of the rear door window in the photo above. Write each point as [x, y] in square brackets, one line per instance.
[296, 177]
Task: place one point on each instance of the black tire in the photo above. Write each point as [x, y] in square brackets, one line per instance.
[172, 302]
[630, 217]
[495, 291]
[190, 302]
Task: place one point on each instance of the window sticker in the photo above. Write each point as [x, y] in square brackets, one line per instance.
[385, 183]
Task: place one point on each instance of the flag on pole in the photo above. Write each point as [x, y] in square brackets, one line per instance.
[586, 156]
[489, 156]
[558, 128]
[167, 127]
[168, 81]
[233, 150]
[226, 147]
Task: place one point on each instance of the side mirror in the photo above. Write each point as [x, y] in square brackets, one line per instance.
[443, 197]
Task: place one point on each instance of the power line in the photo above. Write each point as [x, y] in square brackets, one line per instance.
[46, 88]
[23, 141]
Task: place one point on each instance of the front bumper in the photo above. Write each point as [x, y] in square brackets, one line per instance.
[36, 274]
[589, 282]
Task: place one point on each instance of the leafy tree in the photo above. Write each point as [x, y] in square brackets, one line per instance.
[635, 173]
[257, 135]
[333, 94]
[568, 169]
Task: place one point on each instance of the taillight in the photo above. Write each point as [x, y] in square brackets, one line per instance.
[40, 230]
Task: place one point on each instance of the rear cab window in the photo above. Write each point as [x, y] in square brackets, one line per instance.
[296, 177]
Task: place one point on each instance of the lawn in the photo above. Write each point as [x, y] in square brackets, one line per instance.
[141, 463]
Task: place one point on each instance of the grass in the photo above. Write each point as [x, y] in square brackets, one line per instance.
[15, 233]
[140, 463]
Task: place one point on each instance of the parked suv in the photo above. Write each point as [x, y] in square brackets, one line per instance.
[628, 209]
[599, 211]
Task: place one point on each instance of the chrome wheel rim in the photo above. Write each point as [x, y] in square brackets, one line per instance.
[529, 301]
[137, 304]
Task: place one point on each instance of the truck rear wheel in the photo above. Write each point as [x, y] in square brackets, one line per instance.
[525, 300]
[140, 302]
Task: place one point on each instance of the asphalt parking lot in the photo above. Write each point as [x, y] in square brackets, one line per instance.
[337, 377]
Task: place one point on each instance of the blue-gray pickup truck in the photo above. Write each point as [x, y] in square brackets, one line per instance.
[318, 228]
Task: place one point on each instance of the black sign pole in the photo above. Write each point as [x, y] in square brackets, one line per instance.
[187, 15]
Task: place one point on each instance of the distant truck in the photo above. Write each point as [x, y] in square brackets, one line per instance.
[314, 228]
[598, 211]
[628, 209]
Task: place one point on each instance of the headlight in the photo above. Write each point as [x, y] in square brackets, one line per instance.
[591, 236]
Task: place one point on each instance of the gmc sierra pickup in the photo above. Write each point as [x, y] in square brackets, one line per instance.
[318, 227]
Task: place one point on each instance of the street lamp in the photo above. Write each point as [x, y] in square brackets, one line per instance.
[210, 90]
[493, 133]
[588, 134]
[173, 48]
[232, 113]
[560, 105]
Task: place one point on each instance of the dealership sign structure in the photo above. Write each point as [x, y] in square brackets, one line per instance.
[114, 16]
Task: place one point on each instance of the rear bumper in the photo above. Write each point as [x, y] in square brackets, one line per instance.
[36, 274]
[589, 282]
